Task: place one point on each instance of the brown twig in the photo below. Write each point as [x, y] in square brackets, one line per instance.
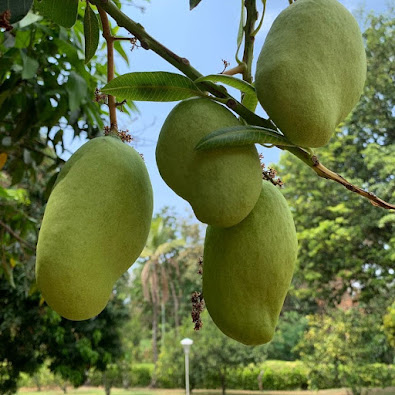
[239, 69]
[16, 236]
[110, 65]
[322, 171]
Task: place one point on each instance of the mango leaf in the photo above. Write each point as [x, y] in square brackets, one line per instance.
[240, 32]
[91, 33]
[118, 47]
[30, 66]
[193, 3]
[241, 85]
[62, 12]
[17, 8]
[235, 136]
[250, 101]
[152, 86]
[77, 90]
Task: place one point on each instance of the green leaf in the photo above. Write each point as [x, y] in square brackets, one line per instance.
[62, 12]
[18, 8]
[240, 32]
[193, 3]
[30, 66]
[241, 85]
[77, 90]
[236, 136]
[91, 33]
[118, 47]
[152, 86]
[250, 101]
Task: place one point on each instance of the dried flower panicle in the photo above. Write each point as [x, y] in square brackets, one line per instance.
[226, 65]
[197, 308]
[100, 97]
[122, 134]
[200, 266]
[270, 174]
[5, 20]
[133, 41]
[125, 136]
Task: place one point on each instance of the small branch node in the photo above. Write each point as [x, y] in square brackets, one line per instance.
[144, 44]
[232, 104]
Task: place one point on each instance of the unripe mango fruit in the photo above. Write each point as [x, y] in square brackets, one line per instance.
[221, 185]
[311, 71]
[247, 269]
[95, 226]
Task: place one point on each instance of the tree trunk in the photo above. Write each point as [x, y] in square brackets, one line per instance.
[163, 314]
[107, 384]
[154, 341]
[176, 305]
[223, 381]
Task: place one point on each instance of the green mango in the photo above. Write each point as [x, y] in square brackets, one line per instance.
[247, 269]
[95, 226]
[311, 71]
[221, 185]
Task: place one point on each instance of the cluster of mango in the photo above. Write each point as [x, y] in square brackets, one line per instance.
[310, 74]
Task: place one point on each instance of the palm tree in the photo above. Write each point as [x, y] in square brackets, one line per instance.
[158, 274]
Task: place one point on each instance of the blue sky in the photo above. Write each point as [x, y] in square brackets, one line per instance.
[205, 36]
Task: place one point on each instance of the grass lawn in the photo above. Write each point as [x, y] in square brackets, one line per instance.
[145, 391]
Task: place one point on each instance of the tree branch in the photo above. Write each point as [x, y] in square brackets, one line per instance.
[110, 66]
[147, 42]
[322, 171]
[249, 38]
[16, 236]
[182, 64]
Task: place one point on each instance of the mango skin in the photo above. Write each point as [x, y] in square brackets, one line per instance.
[247, 269]
[95, 226]
[311, 70]
[221, 185]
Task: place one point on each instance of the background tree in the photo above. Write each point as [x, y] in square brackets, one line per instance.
[345, 243]
[212, 355]
[332, 364]
[44, 87]
[158, 273]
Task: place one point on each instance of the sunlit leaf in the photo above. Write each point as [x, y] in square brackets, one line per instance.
[62, 12]
[118, 47]
[241, 85]
[30, 66]
[77, 90]
[235, 136]
[152, 86]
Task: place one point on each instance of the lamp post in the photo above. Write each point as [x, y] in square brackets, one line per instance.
[186, 344]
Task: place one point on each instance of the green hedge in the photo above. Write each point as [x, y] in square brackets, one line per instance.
[274, 375]
[123, 376]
